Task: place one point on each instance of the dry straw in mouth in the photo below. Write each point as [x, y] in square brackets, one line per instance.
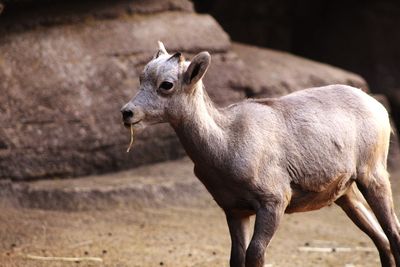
[132, 139]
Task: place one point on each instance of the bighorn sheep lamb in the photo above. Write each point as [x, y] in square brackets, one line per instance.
[267, 157]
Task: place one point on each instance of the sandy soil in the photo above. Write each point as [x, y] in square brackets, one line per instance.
[173, 235]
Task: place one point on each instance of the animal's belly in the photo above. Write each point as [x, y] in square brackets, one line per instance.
[303, 200]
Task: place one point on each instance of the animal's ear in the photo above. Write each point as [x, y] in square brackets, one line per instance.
[161, 50]
[197, 68]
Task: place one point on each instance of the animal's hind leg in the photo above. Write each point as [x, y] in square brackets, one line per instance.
[352, 204]
[376, 190]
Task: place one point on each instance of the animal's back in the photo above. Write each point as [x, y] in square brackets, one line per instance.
[331, 131]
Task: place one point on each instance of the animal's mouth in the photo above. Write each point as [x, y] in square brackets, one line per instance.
[128, 125]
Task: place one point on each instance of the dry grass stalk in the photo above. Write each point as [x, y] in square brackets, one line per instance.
[68, 259]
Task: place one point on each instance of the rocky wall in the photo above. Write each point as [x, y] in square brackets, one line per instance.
[67, 68]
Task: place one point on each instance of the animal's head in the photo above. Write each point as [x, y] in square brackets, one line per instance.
[165, 81]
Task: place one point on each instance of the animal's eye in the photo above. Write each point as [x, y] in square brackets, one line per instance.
[166, 86]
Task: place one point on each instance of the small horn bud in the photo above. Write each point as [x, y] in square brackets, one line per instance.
[177, 56]
[161, 48]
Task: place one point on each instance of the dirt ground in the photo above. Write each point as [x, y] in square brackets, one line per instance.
[173, 235]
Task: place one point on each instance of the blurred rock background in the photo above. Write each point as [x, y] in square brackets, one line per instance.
[66, 68]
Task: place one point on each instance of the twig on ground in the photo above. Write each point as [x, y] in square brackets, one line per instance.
[70, 259]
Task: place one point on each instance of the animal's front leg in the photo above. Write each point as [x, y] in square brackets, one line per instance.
[238, 228]
[267, 221]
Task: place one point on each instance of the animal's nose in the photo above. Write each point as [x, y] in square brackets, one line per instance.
[126, 113]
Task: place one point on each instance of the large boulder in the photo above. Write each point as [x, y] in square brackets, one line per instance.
[64, 77]
[274, 73]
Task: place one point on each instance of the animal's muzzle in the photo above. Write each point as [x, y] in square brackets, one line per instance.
[127, 114]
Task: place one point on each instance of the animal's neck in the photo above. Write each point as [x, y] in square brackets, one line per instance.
[201, 127]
